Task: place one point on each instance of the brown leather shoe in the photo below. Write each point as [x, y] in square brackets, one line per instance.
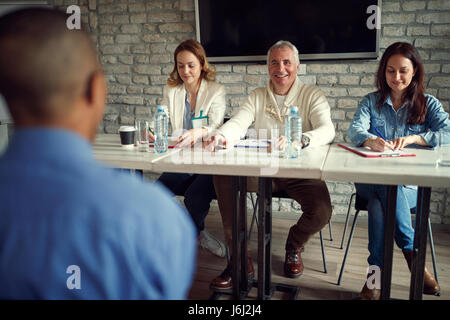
[293, 264]
[224, 281]
[369, 294]
[430, 285]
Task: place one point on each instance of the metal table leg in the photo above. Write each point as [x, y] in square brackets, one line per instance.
[264, 284]
[420, 243]
[389, 229]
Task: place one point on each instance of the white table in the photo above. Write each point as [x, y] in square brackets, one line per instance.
[343, 165]
[330, 163]
[108, 150]
[245, 162]
[239, 163]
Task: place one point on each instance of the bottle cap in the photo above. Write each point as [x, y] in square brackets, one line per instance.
[294, 109]
[160, 108]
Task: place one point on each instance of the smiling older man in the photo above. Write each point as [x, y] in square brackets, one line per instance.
[267, 108]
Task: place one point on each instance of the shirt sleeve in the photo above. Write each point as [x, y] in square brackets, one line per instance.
[323, 131]
[358, 131]
[237, 126]
[437, 120]
[217, 110]
[166, 248]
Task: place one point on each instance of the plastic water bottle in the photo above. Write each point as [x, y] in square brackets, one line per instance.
[293, 134]
[161, 130]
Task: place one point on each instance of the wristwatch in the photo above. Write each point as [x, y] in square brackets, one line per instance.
[305, 141]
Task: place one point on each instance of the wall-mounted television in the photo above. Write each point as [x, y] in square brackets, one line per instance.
[243, 30]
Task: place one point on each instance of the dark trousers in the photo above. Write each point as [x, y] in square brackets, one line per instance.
[198, 191]
[311, 194]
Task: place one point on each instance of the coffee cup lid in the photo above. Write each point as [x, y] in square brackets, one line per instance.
[127, 128]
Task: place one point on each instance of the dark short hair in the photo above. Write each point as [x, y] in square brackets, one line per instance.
[40, 58]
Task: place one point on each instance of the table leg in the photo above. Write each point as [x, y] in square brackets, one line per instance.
[239, 254]
[389, 229]
[264, 238]
[245, 287]
[235, 254]
[420, 243]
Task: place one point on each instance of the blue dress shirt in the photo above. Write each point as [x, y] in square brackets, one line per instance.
[71, 228]
[392, 124]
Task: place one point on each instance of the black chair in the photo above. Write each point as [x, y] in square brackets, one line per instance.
[361, 204]
[283, 194]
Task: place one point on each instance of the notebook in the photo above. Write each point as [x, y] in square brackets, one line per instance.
[368, 153]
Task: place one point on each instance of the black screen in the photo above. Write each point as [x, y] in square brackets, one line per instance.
[236, 28]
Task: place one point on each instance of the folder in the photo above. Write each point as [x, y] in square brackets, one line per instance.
[369, 153]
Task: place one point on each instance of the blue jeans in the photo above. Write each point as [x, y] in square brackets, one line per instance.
[376, 196]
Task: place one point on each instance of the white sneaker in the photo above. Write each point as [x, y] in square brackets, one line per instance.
[215, 246]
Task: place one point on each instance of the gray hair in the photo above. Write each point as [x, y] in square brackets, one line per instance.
[283, 44]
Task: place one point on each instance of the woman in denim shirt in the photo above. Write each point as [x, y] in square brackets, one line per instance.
[405, 115]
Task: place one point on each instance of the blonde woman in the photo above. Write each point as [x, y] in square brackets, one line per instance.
[195, 104]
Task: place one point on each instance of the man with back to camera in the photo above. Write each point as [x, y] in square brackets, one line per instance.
[266, 108]
[70, 227]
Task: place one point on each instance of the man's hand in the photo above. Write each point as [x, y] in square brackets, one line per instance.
[280, 144]
[217, 142]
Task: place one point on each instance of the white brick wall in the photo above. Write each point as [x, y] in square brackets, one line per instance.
[136, 39]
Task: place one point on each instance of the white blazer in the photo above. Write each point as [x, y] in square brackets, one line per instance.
[210, 100]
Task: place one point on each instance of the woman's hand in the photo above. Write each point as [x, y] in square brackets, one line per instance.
[400, 143]
[191, 137]
[378, 144]
[151, 137]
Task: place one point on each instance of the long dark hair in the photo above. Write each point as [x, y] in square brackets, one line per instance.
[414, 96]
[208, 72]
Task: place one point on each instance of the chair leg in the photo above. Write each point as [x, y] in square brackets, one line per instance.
[433, 255]
[329, 228]
[255, 216]
[325, 270]
[352, 230]
[346, 220]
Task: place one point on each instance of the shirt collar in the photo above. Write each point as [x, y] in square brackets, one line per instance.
[42, 142]
[391, 104]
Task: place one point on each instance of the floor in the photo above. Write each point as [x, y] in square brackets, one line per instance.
[314, 284]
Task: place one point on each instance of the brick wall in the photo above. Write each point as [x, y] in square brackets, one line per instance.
[136, 40]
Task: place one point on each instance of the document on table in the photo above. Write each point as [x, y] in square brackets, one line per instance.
[253, 143]
[369, 153]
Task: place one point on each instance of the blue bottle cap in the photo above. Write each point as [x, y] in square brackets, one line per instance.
[294, 109]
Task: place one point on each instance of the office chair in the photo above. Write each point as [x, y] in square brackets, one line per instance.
[283, 194]
[361, 204]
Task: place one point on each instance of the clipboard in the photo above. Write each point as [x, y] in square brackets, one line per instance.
[368, 153]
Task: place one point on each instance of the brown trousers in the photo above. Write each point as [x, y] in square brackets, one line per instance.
[311, 194]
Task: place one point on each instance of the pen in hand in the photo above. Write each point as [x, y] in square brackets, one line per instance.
[381, 135]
